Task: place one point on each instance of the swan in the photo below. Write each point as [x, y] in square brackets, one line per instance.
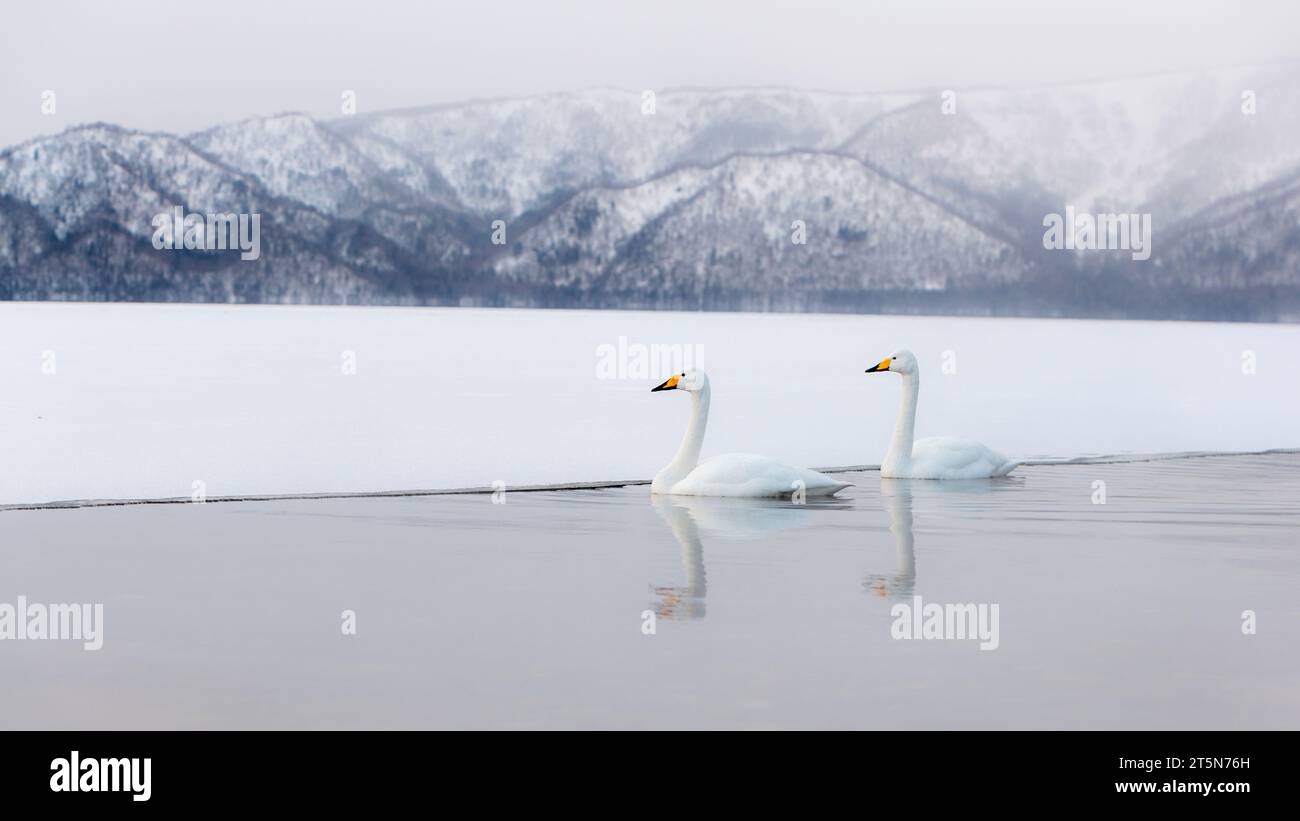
[733, 474]
[939, 457]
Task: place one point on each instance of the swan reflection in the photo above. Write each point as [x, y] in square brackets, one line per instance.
[686, 602]
[687, 516]
[896, 496]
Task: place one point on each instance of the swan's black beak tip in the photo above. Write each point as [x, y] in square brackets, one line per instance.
[667, 385]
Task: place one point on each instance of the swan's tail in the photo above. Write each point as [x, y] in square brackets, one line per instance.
[830, 490]
[1007, 467]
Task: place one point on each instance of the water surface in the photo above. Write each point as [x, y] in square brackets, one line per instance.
[529, 613]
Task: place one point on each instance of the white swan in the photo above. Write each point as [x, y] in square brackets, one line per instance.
[733, 474]
[936, 458]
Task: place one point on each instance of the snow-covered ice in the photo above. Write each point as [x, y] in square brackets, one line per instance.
[143, 401]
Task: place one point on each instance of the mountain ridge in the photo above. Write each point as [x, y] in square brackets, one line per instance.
[902, 207]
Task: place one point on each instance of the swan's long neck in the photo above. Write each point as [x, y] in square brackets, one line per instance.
[688, 535]
[900, 524]
[688, 455]
[900, 446]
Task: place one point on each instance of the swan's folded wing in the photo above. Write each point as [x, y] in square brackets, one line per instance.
[945, 457]
[748, 474]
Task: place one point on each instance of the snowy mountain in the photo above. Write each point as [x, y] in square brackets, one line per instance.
[761, 199]
[504, 158]
[726, 234]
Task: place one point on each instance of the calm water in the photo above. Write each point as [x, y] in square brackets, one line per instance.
[530, 613]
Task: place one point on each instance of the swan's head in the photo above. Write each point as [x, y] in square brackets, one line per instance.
[691, 380]
[899, 362]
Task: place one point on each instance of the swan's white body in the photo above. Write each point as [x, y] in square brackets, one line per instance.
[934, 458]
[744, 474]
[733, 474]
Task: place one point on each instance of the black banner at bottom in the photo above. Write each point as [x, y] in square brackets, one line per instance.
[143, 770]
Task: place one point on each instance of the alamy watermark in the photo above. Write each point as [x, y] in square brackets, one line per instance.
[641, 360]
[67, 622]
[919, 620]
[175, 230]
[1098, 232]
[77, 774]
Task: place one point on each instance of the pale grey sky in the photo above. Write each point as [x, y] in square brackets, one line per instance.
[180, 67]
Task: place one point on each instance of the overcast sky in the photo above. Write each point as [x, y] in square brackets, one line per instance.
[181, 66]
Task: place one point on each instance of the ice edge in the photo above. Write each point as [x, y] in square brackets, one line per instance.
[75, 504]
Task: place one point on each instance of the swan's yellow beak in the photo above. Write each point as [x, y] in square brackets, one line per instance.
[669, 384]
[883, 366]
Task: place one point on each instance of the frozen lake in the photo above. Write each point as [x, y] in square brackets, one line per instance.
[530, 612]
[145, 401]
[531, 609]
